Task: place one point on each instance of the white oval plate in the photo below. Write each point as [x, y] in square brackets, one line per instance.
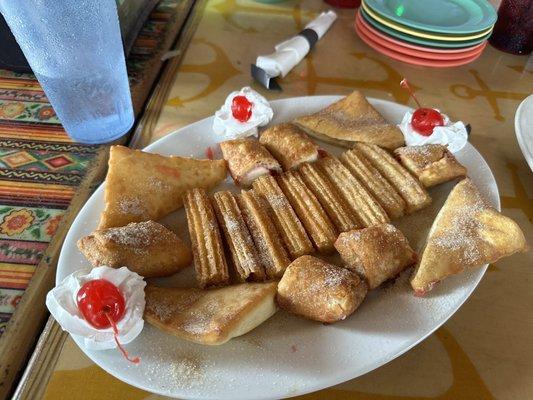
[523, 126]
[286, 356]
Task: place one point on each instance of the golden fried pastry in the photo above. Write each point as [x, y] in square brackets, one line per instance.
[242, 248]
[147, 248]
[432, 164]
[367, 209]
[287, 223]
[248, 160]
[414, 194]
[466, 233]
[374, 182]
[143, 186]
[377, 253]
[335, 205]
[208, 253]
[272, 254]
[289, 144]
[349, 120]
[210, 316]
[307, 207]
[320, 291]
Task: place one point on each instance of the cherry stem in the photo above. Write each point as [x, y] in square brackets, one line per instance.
[404, 84]
[134, 360]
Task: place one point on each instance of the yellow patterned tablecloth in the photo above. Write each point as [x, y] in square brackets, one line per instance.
[485, 351]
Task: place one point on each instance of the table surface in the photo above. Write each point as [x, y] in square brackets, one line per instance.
[485, 350]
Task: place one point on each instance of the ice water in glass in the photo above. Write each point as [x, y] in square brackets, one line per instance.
[75, 50]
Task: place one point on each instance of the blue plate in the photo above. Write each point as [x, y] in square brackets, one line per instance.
[443, 16]
[421, 41]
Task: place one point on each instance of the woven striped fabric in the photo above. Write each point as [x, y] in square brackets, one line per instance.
[40, 166]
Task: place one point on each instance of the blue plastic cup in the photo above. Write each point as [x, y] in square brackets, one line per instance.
[75, 50]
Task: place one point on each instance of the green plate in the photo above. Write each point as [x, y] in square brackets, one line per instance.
[417, 40]
[443, 16]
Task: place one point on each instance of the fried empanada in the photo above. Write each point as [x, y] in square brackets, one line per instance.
[143, 186]
[210, 316]
[466, 233]
[349, 120]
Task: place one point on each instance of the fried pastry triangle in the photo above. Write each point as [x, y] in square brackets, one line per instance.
[466, 233]
[210, 316]
[351, 119]
[143, 186]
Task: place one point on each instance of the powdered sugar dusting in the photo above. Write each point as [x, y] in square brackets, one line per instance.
[131, 205]
[277, 200]
[140, 234]
[199, 322]
[157, 184]
[462, 236]
[183, 371]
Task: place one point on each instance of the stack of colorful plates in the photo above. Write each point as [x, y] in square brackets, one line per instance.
[434, 33]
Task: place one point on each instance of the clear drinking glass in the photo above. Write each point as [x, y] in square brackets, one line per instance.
[75, 50]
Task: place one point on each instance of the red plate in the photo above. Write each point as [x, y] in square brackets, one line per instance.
[414, 50]
[413, 59]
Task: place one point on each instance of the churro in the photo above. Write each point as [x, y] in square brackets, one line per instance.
[287, 223]
[415, 196]
[272, 254]
[208, 252]
[336, 207]
[307, 207]
[374, 182]
[360, 201]
[243, 252]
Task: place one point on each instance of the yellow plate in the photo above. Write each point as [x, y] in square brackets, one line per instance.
[424, 35]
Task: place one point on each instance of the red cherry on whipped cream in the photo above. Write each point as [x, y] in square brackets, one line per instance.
[102, 305]
[424, 120]
[99, 302]
[241, 108]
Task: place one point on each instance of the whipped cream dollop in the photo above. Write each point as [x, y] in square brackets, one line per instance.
[454, 135]
[61, 301]
[225, 124]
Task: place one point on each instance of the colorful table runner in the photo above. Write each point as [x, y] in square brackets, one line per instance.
[41, 169]
[485, 350]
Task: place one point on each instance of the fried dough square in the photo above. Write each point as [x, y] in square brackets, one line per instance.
[377, 253]
[320, 291]
[289, 145]
[248, 160]
[432, 164]
[147, 248]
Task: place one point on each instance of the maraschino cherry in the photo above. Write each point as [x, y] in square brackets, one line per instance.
[424, 120]
[102, 305]
[241, 108]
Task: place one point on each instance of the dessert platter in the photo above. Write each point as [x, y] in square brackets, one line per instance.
[279, 248]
